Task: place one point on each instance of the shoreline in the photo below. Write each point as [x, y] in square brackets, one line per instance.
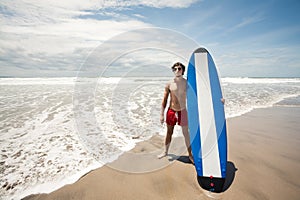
[263, 148]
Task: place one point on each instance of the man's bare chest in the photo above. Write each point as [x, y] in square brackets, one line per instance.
[177, 88]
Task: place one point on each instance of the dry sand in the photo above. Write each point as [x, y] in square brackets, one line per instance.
[263, 163]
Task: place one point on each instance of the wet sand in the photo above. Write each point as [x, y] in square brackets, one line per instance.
[263, 163]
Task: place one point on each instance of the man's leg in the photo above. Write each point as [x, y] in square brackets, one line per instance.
[168, 140]
[185, 132]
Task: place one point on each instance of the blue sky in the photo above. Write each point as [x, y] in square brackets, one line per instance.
[245, 38]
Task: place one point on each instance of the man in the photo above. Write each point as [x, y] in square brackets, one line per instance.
[176, 113]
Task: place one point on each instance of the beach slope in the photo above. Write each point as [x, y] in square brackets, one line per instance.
[264, 163]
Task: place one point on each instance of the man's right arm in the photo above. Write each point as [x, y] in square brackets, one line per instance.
[164, 103]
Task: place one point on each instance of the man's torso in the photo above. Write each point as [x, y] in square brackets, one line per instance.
[177, 89]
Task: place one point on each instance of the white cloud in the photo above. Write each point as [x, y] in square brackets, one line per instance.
[57, 9]
[246, 21]
[249, 20]
[137, 49]
[280, 61]
[60, 46]
[65, 36]
[58, 35]
[163, 3]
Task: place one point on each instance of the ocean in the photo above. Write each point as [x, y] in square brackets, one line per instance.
[55, 130]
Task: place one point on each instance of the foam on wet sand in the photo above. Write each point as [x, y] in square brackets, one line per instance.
[263, 163]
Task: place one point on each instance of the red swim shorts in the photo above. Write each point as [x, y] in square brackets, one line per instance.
[177, 116]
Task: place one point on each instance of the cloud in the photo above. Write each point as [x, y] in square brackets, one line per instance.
[53, 36]
[58, 45]
[245, 21]
[36, 10]
[264, 62]
[133, 51]
[249, 20]
[162, 3]
[38, 38]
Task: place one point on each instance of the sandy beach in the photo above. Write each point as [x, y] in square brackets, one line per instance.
[263, 163]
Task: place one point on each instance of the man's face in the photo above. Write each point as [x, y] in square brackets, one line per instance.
[177, 70]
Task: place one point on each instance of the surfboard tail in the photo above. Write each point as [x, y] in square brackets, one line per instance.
[212, 184]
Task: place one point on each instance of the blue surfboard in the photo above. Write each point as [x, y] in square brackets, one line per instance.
[206, 119]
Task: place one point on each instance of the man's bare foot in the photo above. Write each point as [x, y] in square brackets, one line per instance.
[191, 159]
[163, 154]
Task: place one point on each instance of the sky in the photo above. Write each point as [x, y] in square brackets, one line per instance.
[56, 38]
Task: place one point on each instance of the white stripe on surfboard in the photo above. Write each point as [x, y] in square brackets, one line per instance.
[208, 135]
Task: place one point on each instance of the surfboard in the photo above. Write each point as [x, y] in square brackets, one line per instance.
[206, 121]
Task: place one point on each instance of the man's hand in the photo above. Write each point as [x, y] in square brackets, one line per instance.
[162, 119]
[223, 100]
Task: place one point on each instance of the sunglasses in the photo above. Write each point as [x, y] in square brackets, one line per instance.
[176, 68]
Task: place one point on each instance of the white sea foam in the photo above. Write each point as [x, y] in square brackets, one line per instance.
[45, 146]
[38, 81]
[245, 94]
[246, 80]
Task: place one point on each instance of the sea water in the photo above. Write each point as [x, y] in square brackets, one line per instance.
[44, 147]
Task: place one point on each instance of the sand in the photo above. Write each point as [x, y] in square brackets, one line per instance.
[263, 163]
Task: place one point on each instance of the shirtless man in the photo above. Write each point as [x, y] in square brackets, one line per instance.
[177, 113]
